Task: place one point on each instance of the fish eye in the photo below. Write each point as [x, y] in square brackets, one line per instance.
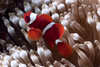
[27, 17]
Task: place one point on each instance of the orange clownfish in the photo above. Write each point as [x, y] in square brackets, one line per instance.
[43, 25]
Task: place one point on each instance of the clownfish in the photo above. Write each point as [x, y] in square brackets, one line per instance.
[43, 25]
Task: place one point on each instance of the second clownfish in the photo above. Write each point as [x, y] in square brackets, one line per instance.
[43, 25]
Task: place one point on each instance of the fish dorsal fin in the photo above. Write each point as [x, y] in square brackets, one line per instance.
[47, 17]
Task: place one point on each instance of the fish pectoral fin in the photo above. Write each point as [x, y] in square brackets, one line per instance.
[35, 34]
[47, 17]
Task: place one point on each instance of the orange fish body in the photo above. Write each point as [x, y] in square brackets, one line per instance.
[43, 25]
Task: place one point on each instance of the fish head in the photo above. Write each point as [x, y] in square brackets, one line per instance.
[29, 17]
[26, 17]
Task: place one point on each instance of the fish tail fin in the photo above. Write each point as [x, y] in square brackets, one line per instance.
[63, 48]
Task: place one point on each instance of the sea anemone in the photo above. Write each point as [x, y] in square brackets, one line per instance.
[80, 19]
